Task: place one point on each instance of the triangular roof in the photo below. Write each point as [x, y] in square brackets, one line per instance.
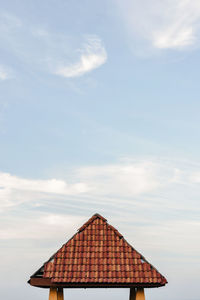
[97, 256]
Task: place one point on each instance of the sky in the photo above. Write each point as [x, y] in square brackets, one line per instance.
[99, 113]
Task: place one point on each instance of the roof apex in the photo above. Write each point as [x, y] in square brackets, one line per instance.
[99, 216]
[95, 216]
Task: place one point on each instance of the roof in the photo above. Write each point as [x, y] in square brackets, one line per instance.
[97, 256]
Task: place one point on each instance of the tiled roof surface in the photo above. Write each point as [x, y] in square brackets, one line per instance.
[98, 253]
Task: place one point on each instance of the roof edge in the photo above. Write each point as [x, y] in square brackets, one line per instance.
[46, 283]
[95, 216]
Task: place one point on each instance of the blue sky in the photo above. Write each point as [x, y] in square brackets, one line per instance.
[99, 112]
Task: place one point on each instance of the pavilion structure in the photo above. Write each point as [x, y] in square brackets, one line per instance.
[97, 256]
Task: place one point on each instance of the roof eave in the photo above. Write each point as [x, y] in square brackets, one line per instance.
[47, 283]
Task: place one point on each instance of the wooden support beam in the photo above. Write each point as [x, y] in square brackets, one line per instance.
[60, 294]
[140, 294]
[53, 293]
[132, 294]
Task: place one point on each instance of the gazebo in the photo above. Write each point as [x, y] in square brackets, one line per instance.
[97, 256]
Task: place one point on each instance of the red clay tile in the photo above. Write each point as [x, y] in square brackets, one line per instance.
[98, 253]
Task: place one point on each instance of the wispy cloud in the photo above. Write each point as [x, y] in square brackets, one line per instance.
[153, 202]
[93, 55]
[123, 179]
[52, 52]
[15, 190]
[167, 24]
[51, 224]
[130, 180]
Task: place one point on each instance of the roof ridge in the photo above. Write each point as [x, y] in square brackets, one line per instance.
[94, 217]
[142, 257]
[115, 231]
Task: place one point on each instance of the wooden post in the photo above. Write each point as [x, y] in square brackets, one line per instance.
[60, 294]
[53, 293]
[132, 294]
[140, 294]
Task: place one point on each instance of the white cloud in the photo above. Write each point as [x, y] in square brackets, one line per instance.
[195, 177]
[160, 198]
[15, 190]
[134, 181]
[5, 73]
[52, 52]
[154, 204]
[93, 55]
[173, 232]
[167, 24]
[46, 186]
[40, 227]
[124, 179]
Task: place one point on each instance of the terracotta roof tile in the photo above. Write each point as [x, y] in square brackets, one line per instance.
[98, 253]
